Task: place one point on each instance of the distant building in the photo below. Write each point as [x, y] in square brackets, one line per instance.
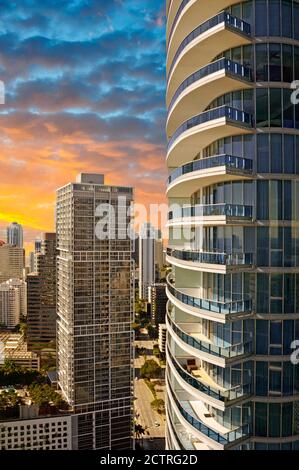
[12, 262]
[38, 245]
[15, 350]
[157, 299]
[41, 295]
[31, 262]
[147, 273]
[159, 257]
[12, 302]
[15, 235]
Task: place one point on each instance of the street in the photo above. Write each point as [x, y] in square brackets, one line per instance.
[155, 435]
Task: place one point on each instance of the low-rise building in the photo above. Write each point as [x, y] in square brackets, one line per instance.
[38, 433]
[15, 350]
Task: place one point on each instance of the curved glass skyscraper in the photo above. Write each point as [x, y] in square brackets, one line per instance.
[233, 189]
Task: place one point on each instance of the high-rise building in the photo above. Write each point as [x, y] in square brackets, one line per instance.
[41, 295]
[157, 299]
[15, 234]
[147, 273]
[159, 258]
[9, 306]
[233, 159]
[95, 311]
[12, 262]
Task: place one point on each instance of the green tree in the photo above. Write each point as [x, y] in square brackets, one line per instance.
[139, 431]
[158, 405]
[150, 369]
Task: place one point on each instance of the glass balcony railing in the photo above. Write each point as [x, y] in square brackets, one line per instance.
[230, 21]
[232, 114]
[238, 391]
[208, 210]
[224, 259]
[229, 352]
[235, 163]
[238, 433]
[243, 305]
[180, 9]
[229, 66]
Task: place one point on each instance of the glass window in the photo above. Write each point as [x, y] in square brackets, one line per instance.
[263, 246]
[263, 153]
[275, 199]
[261, 18]
[289, 154]
[262, 114]
[275, 62]
[263, 200]
[262, 379]
[274, 15]
[274, 419]
[275, 381]
[275, 107]
[288, 336]
[286, 6]
[262, 337]
[276, 153]
[289, 293]
[288, 109]
[262, 63]
[287, 58]
[288, 380]
[287, 419]
[261, 419]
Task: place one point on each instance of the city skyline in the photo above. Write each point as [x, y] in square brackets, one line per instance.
[67, 107]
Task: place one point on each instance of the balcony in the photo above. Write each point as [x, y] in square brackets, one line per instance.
[191, 412]
[210, 213]
[205, 42]
[203, 86]
[184, 15]
[185, 180]
[192, 304]
[192, 343]
[201, 382]
[197, 133]
[200, 258]
[184, 440]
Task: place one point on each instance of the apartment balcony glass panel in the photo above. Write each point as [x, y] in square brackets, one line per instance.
[232, 114]
[224, 259]
[225, 308]
[234, 68]
[234, 393]
[230, 21]
[227, 210]
[187, 412]
[230, 161]
[229, 352]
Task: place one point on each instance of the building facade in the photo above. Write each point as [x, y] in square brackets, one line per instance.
[41, 295]
[15, 234]
[95, 311]
[233, 189]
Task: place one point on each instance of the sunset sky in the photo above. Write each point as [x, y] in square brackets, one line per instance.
[84, 92]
